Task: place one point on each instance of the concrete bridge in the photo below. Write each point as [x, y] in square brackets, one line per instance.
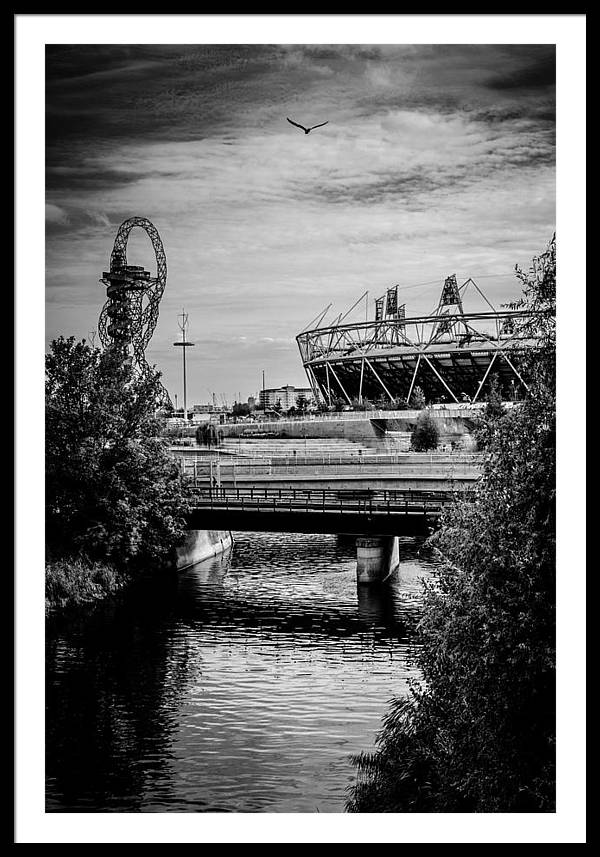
[374, 494]
[378, 518]
[298, 510]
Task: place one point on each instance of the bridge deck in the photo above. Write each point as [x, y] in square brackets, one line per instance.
[314, 510]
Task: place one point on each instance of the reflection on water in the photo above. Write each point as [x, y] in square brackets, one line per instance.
[241, 685]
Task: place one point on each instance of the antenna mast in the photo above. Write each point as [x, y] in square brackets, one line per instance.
[183, 345]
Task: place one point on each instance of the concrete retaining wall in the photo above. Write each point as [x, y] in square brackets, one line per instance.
[362, 430]
[201, 544]
[371, 432]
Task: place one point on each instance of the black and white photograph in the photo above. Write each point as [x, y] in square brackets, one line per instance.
[291, 525]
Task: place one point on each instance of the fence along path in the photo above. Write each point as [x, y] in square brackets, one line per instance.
[198, 469]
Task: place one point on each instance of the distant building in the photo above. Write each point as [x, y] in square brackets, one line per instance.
[286, 397]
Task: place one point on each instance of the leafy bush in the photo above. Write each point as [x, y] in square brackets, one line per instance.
[478, 734]
[113, 492]
[425, 435]
[75, 580]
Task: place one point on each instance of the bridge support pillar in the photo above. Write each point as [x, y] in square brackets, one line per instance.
[376, 558]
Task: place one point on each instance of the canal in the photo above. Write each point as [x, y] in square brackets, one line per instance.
[240, 685]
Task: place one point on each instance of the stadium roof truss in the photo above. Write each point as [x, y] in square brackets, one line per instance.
[450, 353]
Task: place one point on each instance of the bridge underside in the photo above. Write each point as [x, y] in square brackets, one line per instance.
[327, 522]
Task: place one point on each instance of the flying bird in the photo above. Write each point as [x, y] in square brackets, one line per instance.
[306, 130]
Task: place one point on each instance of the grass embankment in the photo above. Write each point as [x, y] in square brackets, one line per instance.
[78, 580]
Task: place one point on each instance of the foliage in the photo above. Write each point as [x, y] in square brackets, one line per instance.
[493, 400]
[113, 492]
[425, 435]
[302, 403]
[337, 403]
[417, 399]
[382, 402]
[240, 409]
[494, 409]
[77, 580]
[478, 734]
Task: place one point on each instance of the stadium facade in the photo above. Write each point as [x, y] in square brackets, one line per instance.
[452, 355]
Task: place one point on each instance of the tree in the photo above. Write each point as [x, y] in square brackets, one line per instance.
[302, 403]
[417, 399]
[240, 409]
[494, 409]
[425, 435]
[113, 492]
[478, 733]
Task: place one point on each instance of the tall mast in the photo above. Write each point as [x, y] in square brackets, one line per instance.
[182, 321]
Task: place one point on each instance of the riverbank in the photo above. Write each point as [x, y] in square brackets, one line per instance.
[71, 581]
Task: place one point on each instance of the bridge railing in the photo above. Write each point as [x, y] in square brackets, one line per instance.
[229, 454]
[315, 500]
[198, 471]
[453, 409]
[311, 458]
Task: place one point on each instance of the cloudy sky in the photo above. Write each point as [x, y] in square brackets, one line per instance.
[436, 160]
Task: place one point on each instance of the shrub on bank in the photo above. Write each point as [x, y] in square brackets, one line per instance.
[79, 580]
[114, 495]
[478, 734]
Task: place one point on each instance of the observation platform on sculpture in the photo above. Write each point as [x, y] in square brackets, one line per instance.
[358, 512]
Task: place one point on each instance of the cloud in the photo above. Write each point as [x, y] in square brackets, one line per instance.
[56, 215]
[427, 167]
[88, 175]
[537, 75]
[98, 218]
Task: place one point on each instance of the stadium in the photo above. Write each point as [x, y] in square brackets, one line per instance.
[451, 354]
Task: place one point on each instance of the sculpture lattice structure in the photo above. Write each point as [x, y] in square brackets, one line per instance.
[129, 316]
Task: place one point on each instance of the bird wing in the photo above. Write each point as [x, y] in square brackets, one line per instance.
[296, 124]
[319, 126]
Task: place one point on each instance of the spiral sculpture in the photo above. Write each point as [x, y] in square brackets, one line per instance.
[129, 316]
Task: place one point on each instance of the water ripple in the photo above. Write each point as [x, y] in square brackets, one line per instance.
[241, 686]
